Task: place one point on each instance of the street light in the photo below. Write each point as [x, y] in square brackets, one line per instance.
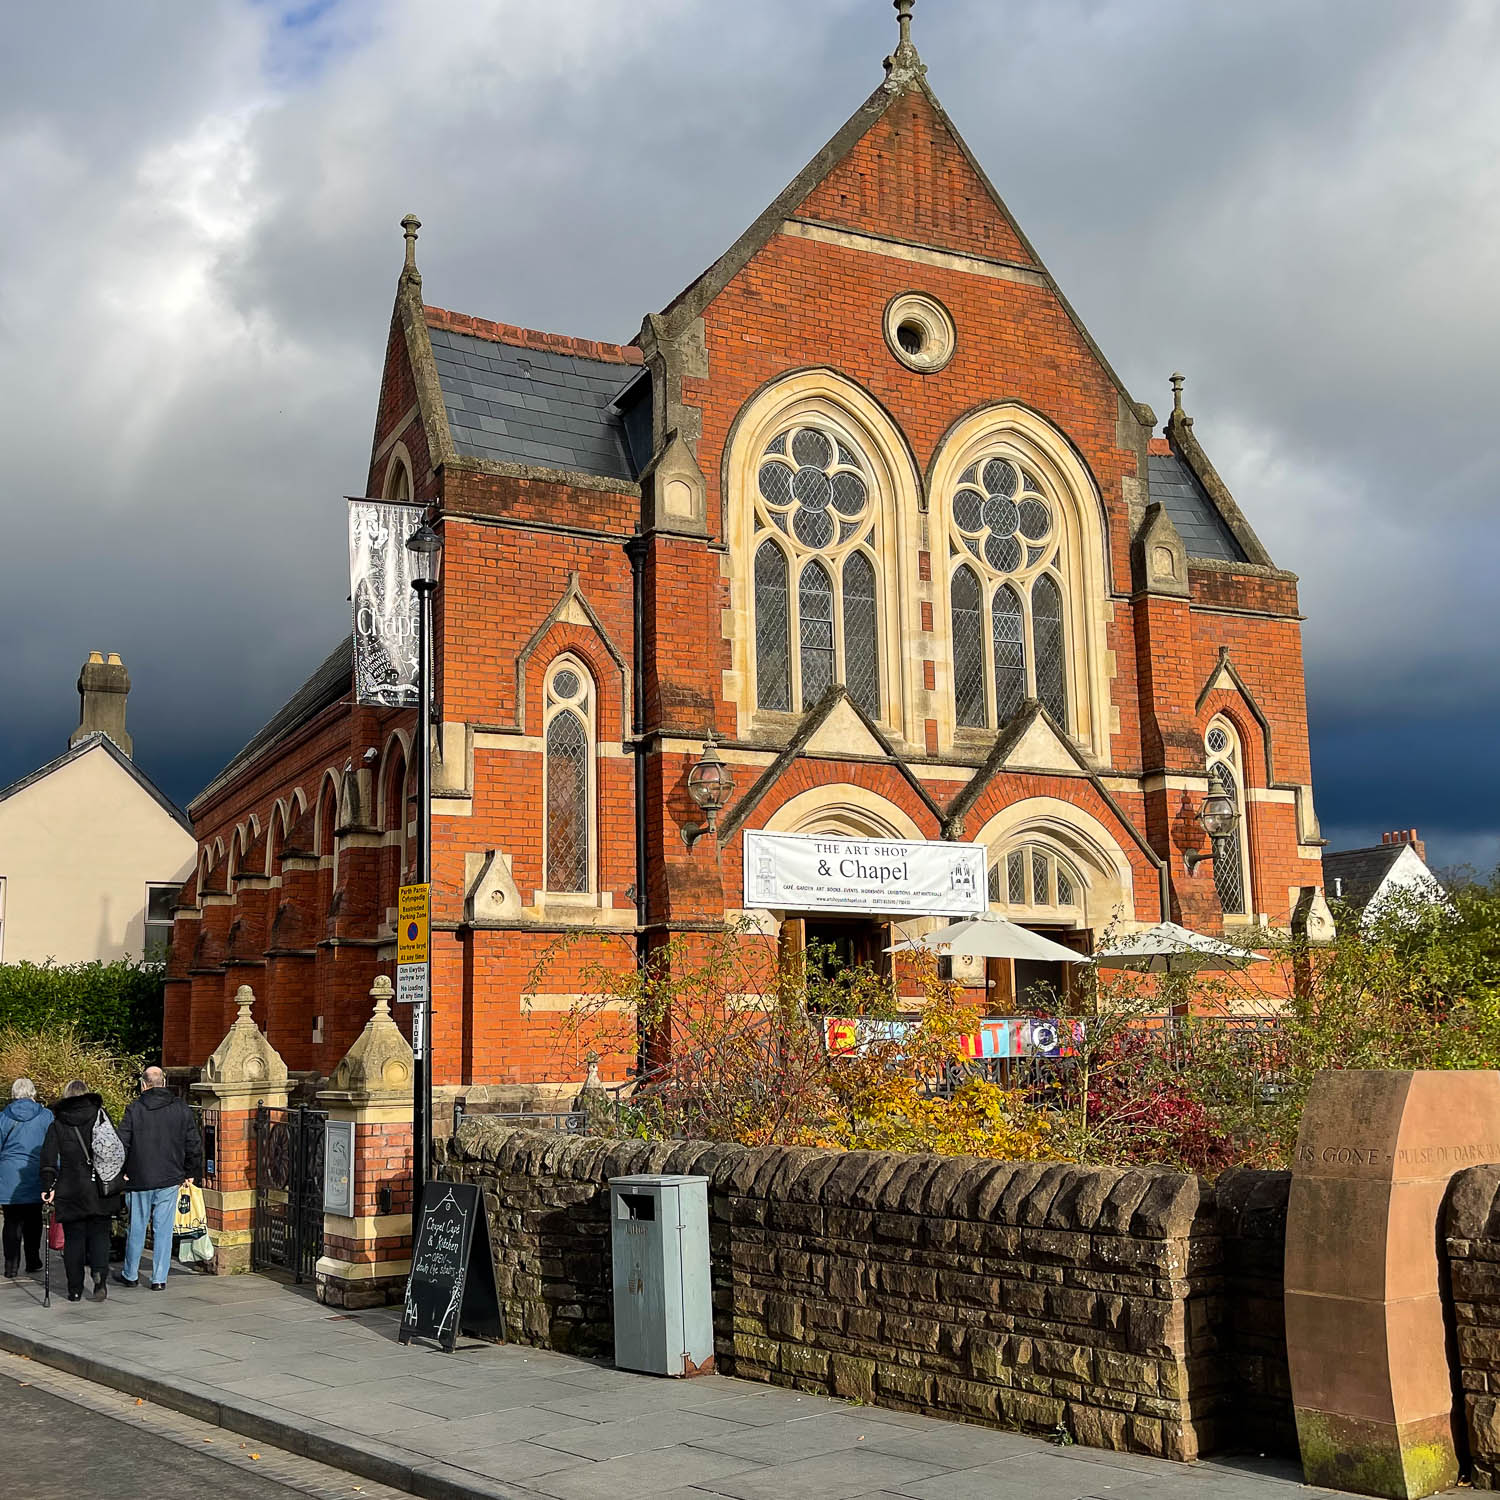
[710, 785]
[1218, 815]
[426, 547]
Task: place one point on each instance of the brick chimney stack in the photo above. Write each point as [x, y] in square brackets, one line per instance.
[1406, 836]
[103, 686]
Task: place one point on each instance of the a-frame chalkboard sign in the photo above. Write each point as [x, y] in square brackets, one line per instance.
[451, 1287]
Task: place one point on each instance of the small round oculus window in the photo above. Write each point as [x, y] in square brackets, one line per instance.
[920, 332]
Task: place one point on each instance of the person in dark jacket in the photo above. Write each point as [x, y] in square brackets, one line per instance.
[163, 1154]
[72, 1190]
[23, 1128]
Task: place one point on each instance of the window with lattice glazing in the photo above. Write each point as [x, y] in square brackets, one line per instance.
[816, 589]
[1037, 879]
[569, 740]
[1006, 596]
[1231, 850]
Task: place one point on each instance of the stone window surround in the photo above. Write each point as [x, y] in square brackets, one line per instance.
[585, 706]
[1233, 757]
[907, 702]
[823, 399]
[1013, 432]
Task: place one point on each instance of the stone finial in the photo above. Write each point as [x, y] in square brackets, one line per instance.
[245, 1056]
[905, 64]
[1177, 380]
[410, 225]
[380, 1061]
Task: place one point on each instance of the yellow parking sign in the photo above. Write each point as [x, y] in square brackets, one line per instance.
[413, 914]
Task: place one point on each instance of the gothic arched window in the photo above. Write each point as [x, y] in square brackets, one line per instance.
[1231, 850]
[815, 525]
[569, 738]
[1005, 549]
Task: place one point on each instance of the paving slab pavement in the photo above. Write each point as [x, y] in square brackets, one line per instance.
[267, 1361]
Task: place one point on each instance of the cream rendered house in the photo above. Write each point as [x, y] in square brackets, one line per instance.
[91, 852]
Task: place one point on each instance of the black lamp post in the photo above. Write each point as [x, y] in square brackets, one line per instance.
[1218, 815]
[426, 547]
[710, 785]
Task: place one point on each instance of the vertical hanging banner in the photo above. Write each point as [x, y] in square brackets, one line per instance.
[385, 604]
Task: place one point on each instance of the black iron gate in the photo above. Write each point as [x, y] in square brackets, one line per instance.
[287, 1228]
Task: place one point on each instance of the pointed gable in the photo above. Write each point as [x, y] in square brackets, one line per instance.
[909, 176]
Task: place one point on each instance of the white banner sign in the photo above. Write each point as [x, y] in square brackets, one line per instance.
[411, 984]
[814, 872]
[385, 604]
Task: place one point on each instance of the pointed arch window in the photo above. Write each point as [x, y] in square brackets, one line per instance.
[816, 583]
[569, 799]
[1231, 850]
[1005, 551]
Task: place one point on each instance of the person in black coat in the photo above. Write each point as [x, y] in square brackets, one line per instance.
[71, 1189]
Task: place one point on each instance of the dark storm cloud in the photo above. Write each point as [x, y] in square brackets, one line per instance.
[1296, 205]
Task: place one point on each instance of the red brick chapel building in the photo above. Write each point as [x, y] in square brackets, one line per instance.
[866, 504]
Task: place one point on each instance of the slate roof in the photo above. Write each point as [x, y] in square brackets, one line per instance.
[82, 748]
[1361, 870]
[333, 681]
[532, 406]
[1198, 522]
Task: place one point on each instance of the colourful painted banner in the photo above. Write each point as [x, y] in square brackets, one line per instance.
[997, 1037]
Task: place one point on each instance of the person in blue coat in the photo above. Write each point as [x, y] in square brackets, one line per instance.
[23, 1128]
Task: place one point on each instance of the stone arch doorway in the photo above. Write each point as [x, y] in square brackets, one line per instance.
[835, 941]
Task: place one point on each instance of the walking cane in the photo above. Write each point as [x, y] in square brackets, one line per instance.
[47, 1259]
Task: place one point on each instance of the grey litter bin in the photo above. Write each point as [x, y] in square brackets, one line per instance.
[664, 1323]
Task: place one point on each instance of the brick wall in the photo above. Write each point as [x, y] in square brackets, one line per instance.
[1093, 1300]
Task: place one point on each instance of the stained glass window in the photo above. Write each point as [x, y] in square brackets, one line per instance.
[968, 649]
[1010, 654]
[773, 677]
[567, 803]
[1015, 877]
[1040, 894]
[815, 608]
[861, 645]
[1047, 637]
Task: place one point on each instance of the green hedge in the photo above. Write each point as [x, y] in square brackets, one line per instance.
[117, 1005]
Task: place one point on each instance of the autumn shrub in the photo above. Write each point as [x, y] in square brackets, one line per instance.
[55, 1055]
[736, 1052]
[1197, 1072]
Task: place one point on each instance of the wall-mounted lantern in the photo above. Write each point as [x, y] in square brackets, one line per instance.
[710, 785]
[1218, 815]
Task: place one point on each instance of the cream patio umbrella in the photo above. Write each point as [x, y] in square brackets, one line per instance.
[989, 936]
[1167, 948]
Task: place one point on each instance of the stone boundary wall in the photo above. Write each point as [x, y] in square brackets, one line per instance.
[1472, 1232]
[1252, 1224]
[1053, 1298]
